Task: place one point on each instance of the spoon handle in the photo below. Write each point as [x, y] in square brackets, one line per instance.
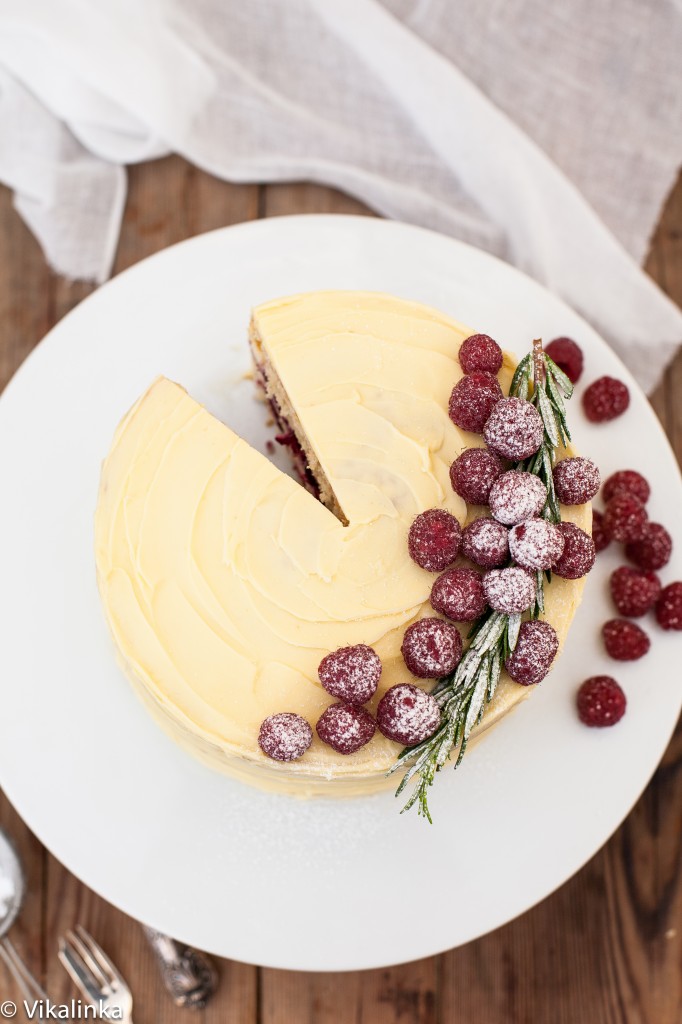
[189, 975]
[28, 986]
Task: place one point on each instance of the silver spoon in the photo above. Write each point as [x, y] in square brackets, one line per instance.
[12, 889]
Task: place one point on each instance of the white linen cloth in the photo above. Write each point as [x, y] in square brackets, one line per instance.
[547, 134]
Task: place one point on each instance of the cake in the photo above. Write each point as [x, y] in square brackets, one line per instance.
[225, 582]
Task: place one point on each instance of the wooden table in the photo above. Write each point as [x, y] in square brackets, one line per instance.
[605, 948]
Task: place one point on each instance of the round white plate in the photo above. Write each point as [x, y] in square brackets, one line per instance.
[320, 885]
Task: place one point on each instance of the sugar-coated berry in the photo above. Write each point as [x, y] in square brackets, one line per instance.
[458, 593]
[627, 480]
[568, 356]
[480, 352]
[473, 473]
[669, 607]
[653, 550]
[486, 542]
[514, 429]
[345, 728]
[625, 518]
[434, 539]
[407, 714]
[536, 544]
[601, 702]
[285, 736]
[599, 536]
[624, 640]
[535, 650]
[431, 648]
[576, 480]
[510, 591]
[472, 400]
[605, 399]
[578, 555]
[517, 496]
[351, 673]
[634, 591]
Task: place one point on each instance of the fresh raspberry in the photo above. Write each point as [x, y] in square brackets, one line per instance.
[605, 399]
[486, 542]
[653, 551]
[624, 640]
[285, 736]
[480, 352]
[458, 594]
[434, 539]
[473, 473]
[576, 480]
[407, 714]
[345, 728]
[669, 607]
[625, 518]
[431, 648]
[627, 480]
[534, 653]
[472, 400]
[514, 429]
[634, 591]
[516, 496]
[351, 673]
[568, 356]
[600, 702]
[510, 591]
[578, 555]
[599, 537]
[536, 544]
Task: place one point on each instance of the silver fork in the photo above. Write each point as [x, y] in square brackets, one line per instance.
[95, 976]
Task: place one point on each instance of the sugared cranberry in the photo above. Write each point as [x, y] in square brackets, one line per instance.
[600, 702]
[285, 736]
[599, 537]
[627, 480]
[536, 544]
[480, 352]
[576, 480]
[654, 549]
[669, 607]
[473, 473]
[351, 673]
[634, 591]
[514, 429]
[431, 648]
[605, 399]
[434, 539]
[407, 714]
[568, 356]
[472, 400]
[625, 517]
[578, 555]
[534, 653]
[458, 594]
[486, 542]
[624, 640]
[510, 591]
[345, 728]
[516, 496]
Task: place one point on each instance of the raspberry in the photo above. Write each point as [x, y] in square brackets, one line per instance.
[285, 736]
[627, 480]
[600, 702]
[536, 544]
[568, 356]
[576, 480]
[345, 728]
[669, 607]
[625, 517]
[473, 473]
[534, 653]
[458, 594]
[624, 640]
[600, 539]
[431, 648]
[434, 539]
[514, 429]
[510, 591]
[486, 542]
[351, 673]
[516, 496]
[472, 400]
[578, 555]
[634, 591]
[407, 714]
[605, 399]
[480, 352]
[654, 549]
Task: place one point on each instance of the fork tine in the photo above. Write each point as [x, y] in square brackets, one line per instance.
[96, 951]
[78, 972]
[92, 965]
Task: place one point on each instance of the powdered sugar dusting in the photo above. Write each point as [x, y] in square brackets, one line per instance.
[576, 480]
[535, 651]
[431, 648]
[407, 714]
[351, 673]
[285, 736]
[536, 544]
[345, 728]
[473, 473]
[517, 496]
[578, 555]
[514, 429]
[509, 591]
[486, 542]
